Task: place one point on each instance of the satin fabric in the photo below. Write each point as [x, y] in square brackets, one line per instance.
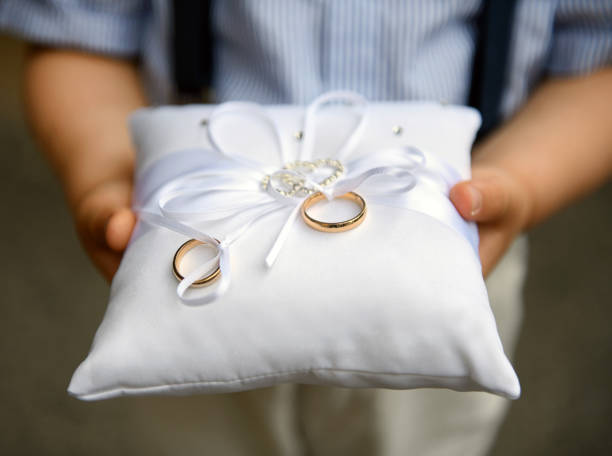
[398, 303]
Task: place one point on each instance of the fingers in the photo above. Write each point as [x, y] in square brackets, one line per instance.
[105, 222]
[103, 215]
[97, 218]
[105, 260]
[482, 199]
[494, 240]
[500, 206]
[119, 229]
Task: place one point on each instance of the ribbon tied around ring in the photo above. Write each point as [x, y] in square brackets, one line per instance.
[236, 187]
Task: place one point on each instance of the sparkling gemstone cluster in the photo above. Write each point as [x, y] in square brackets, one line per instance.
[295, 183]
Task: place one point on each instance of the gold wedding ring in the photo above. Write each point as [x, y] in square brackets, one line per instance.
[334, 227]
[178, 256]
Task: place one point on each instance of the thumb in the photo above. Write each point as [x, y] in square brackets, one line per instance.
[482, 199]
[119, 228]
[104, 216]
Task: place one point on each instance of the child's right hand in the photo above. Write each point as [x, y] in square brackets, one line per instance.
[78, 104]
[104, 222]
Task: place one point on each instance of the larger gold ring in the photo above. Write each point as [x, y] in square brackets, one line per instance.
[334, 227]
[178, 256]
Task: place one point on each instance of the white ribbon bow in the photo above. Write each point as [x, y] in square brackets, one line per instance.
[229, 187]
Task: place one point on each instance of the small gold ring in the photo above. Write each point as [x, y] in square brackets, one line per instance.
[334, 227]
[178, 256]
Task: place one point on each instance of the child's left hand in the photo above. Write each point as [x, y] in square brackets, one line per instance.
[499, 204]
[557, 148]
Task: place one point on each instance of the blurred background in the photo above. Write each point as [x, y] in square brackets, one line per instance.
[53, 301]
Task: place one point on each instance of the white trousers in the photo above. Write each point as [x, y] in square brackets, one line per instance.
[313, 420]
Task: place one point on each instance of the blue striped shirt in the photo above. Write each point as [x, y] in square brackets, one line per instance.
[289, 51]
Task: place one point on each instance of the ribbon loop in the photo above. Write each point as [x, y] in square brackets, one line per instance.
[338, 97]
[255, 112]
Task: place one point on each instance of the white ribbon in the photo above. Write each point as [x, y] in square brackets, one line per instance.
[209, 186]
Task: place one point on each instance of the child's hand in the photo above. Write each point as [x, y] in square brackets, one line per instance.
[554, 150]
[499, 204]
[78, 105]
[104, 222]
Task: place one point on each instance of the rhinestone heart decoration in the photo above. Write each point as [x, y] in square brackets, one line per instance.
[294, 179]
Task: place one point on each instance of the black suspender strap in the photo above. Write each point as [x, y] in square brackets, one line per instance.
[192, 45]
[489, 72]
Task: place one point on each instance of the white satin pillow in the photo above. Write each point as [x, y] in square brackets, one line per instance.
[399, 302]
